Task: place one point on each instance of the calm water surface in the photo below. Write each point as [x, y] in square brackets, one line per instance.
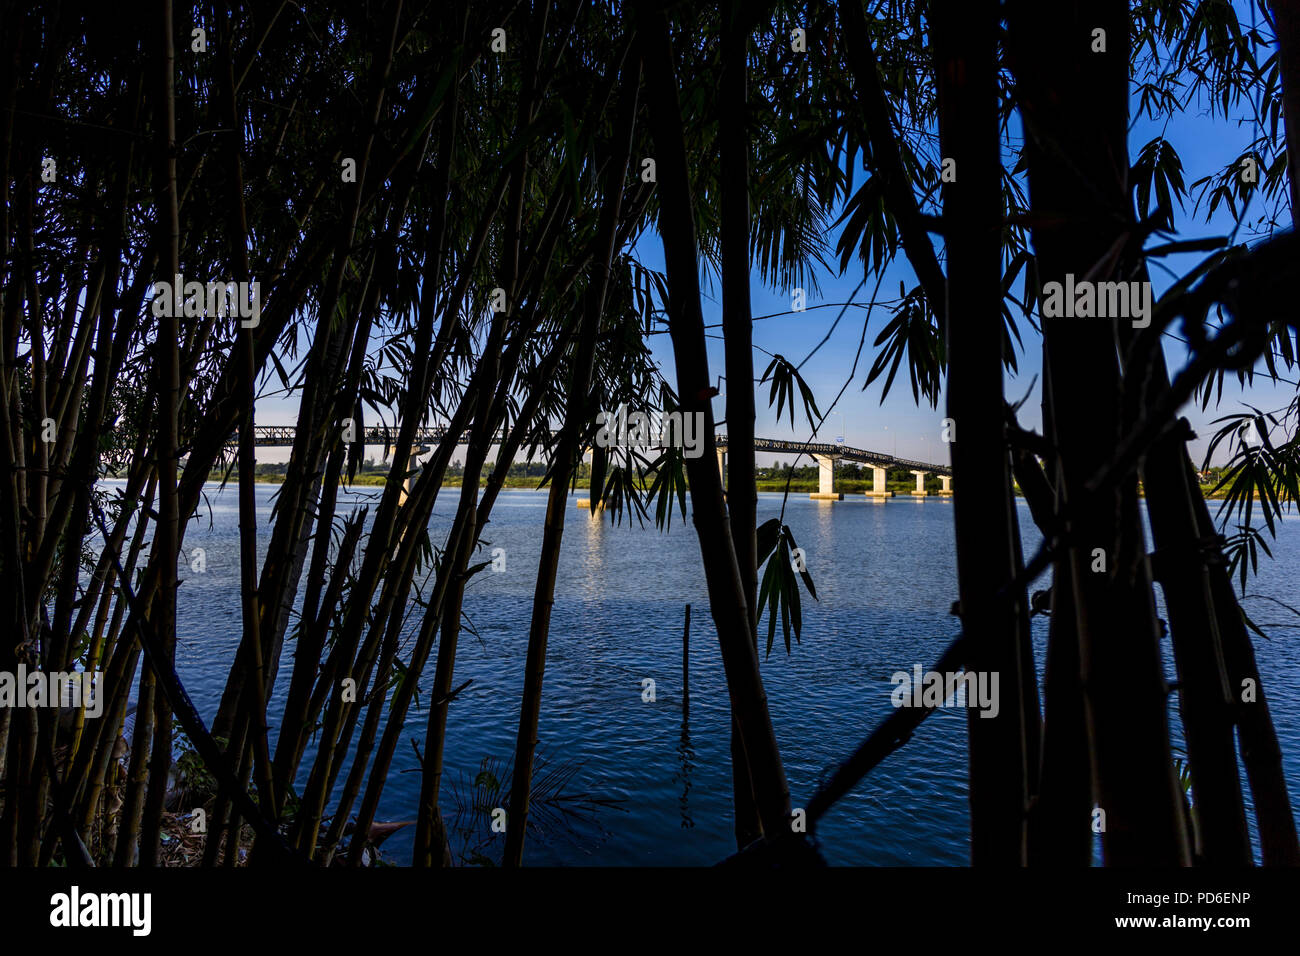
[885, 578]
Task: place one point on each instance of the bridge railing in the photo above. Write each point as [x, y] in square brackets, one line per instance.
[370, 434]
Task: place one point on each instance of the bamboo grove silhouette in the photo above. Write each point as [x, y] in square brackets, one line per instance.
[441, 203]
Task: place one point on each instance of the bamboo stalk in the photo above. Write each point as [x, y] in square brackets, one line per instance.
[1075, 105]
[878, 127]
[167, 537]
[737, 325]
[1205, 699]
[965, 44]
[727, 601]
[577, 414]
[137, 775]
[1286, 15]
[1261, 753]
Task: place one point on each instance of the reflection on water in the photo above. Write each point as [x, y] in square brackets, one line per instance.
[884, 573]
[687, 757]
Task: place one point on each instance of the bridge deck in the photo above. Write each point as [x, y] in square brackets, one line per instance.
[282, 436]
[847, 452]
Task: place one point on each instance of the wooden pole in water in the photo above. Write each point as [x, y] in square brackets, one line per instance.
[686, 656]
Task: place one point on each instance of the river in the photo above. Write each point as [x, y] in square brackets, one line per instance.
[648, 782]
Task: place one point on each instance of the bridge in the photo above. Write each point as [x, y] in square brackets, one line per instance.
[825, 454]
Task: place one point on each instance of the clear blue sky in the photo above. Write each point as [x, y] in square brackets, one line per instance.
[1205, 147]
[898, 425]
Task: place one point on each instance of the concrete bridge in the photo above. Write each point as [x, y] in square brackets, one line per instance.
[825, 454]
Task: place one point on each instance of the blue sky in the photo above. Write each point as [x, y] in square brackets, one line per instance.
[898, 426]
[1205, 146]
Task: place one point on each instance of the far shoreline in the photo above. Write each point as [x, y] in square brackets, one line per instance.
[802, 486]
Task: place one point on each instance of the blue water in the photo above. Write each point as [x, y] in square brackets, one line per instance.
[885, 579]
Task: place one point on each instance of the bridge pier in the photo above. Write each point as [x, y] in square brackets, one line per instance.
[878, 478]
[826, 479]
[409, 481]
[284, 436]
[585, 503]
